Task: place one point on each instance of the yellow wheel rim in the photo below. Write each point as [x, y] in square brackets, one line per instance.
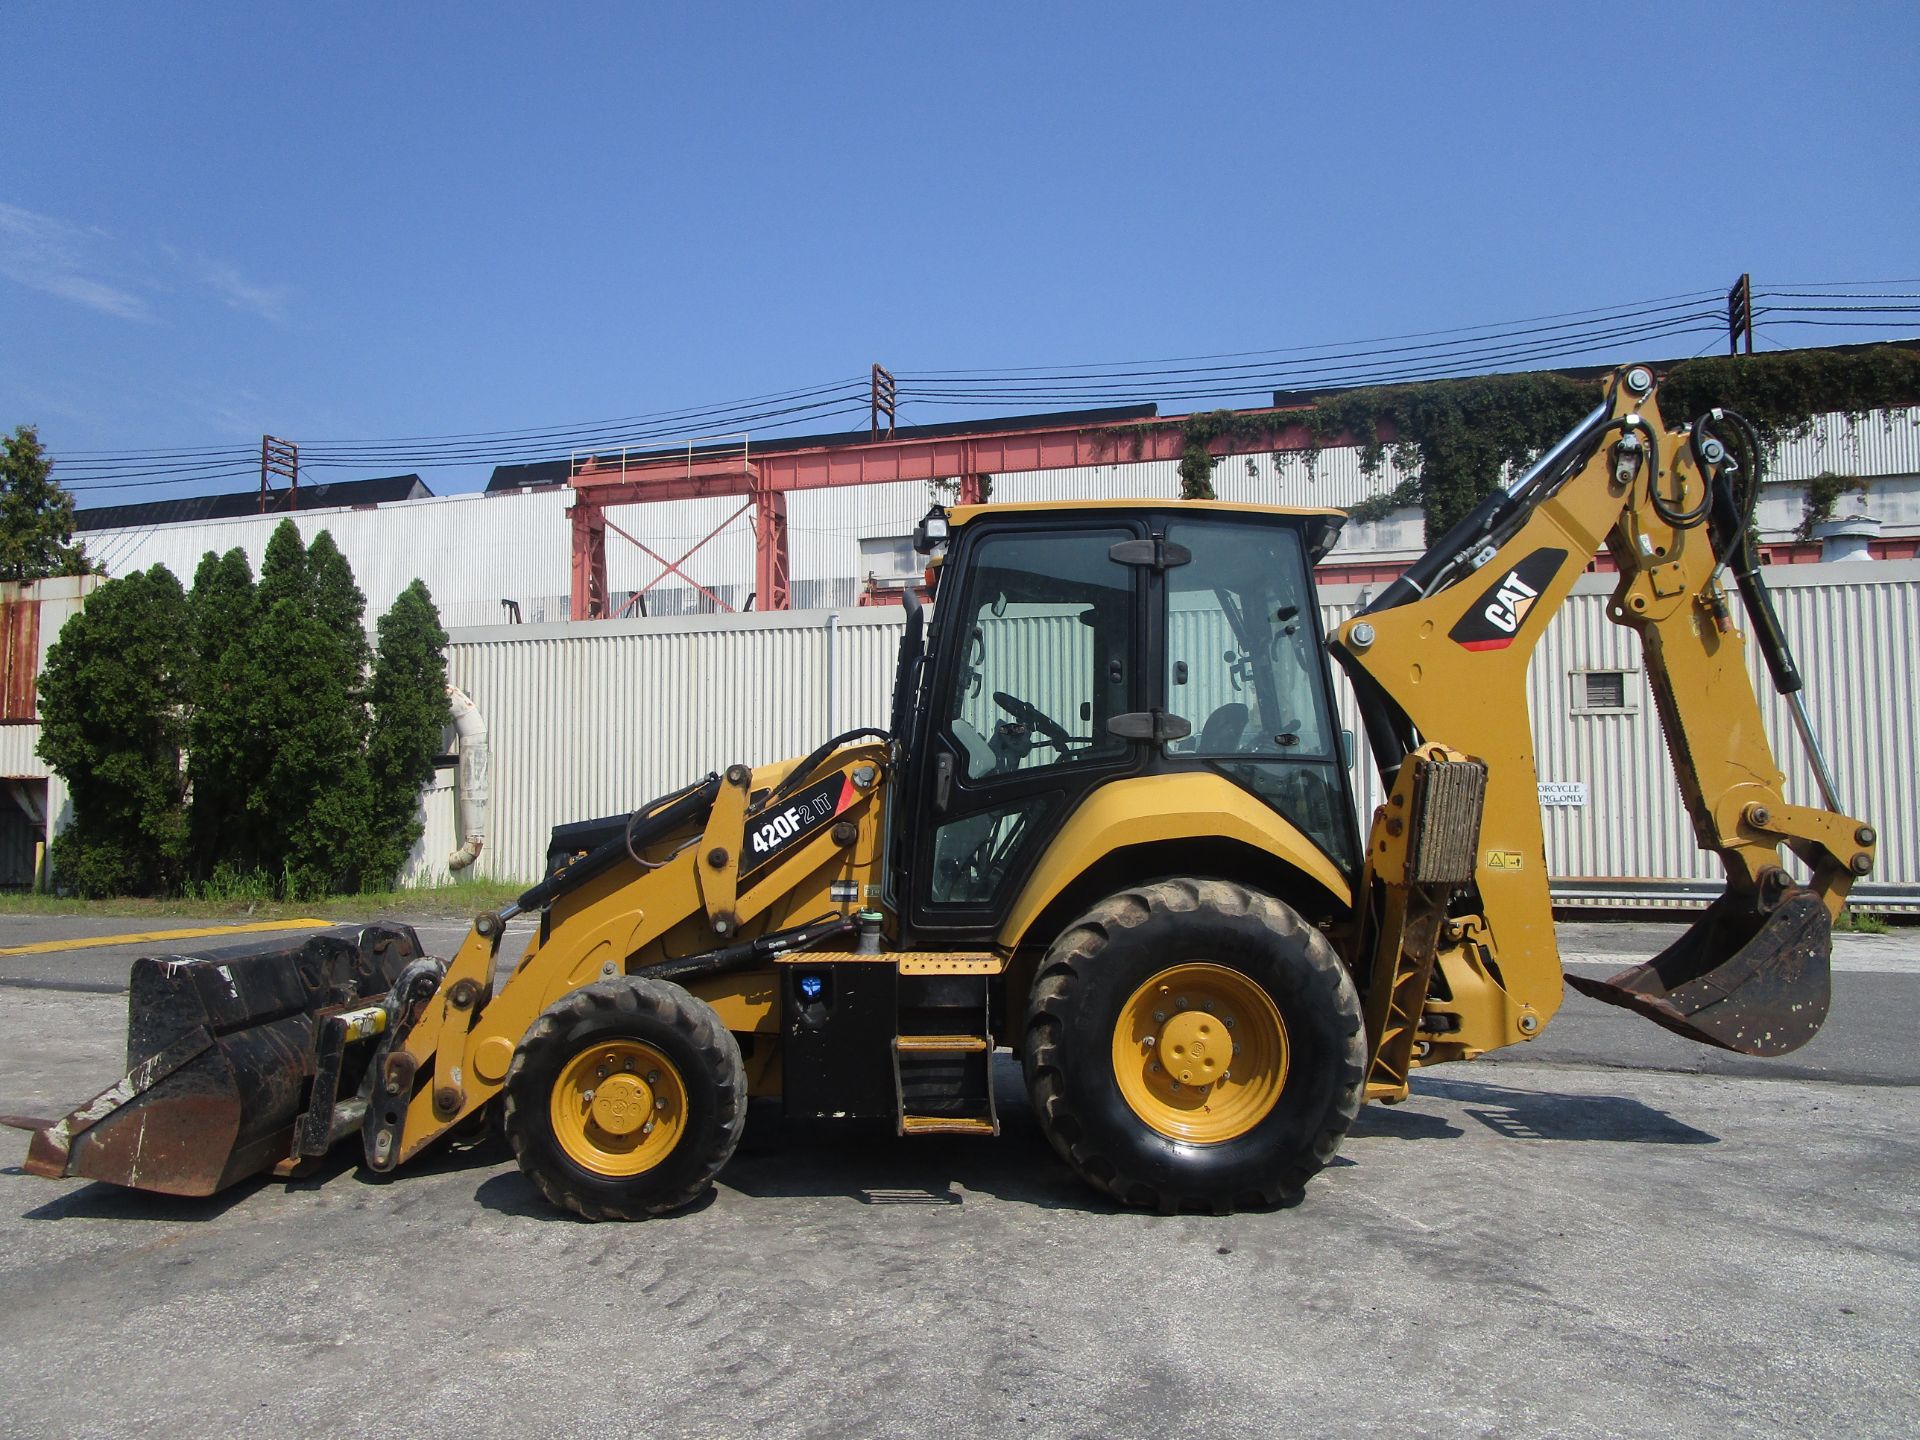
[1200, 1053]
[619, 1108]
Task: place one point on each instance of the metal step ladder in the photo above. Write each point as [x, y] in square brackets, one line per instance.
[943, 1055]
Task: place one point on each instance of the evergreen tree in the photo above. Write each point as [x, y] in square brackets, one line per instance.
[112, 715]
[410, 712]
[225, 757]
[36, 515]
[283, 570]
[313, 801]
[338, 603]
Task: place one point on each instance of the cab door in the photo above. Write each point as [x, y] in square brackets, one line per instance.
[1032, 660]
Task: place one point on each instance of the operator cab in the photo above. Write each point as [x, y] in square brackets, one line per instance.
[1075, 646]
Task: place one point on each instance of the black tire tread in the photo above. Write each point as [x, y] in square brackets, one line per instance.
[1056, 990]
[636, 998]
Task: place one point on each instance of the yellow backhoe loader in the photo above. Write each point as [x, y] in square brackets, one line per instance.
[1110, 826]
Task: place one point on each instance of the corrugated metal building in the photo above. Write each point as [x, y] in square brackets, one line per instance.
[588, 720]
[477, 552]
[592, 719]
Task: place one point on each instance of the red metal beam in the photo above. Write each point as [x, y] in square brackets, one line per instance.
[770, 475]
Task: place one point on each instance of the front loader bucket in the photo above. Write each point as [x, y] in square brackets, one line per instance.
[1737, 979]
[220, 1061]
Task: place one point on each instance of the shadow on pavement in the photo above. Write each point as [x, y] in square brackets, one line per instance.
[100, 1201]
[1545, 1115]
[1395, 1122]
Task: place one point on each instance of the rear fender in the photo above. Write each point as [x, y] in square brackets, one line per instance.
[1170, 810]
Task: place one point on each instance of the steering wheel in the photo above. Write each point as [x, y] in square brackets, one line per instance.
[1034, 718]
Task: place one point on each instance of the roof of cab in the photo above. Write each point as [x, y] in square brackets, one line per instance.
[962, 514]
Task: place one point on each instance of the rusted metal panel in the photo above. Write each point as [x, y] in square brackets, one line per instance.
[19, 659]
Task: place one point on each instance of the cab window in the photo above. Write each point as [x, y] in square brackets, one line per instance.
[1044, 654]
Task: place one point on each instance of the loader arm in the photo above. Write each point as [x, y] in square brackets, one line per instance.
[1439, 663]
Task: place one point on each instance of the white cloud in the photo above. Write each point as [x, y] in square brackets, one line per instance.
[88, 266]
[269, 302]
[56, 258]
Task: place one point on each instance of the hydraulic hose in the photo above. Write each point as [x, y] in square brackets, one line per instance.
[764, 947]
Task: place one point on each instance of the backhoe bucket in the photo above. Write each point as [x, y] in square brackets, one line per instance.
[1738, 979]
[220, 1061]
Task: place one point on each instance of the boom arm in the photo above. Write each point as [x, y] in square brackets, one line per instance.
[1442, 657]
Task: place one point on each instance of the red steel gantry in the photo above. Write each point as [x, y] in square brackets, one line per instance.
[766, 477]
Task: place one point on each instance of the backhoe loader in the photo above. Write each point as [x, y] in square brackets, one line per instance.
[1111, 826]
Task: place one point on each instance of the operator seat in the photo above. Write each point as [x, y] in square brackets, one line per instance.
[1221, 734]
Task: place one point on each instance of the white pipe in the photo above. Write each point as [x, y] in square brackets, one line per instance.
[470, 728]
[833, 623]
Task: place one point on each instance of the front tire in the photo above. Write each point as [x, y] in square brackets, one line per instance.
[1195, 1044]
[624, 1099]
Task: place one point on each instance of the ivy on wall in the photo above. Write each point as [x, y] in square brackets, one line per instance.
[1456, 440]
[1823, 493]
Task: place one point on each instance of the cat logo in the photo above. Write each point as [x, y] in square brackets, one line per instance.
[1495, 618]
[1510, 602]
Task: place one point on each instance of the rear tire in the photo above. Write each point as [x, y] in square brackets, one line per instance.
[624, 1099]
[1126, 1002]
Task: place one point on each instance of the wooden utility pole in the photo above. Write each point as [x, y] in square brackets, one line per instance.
[1740, 315]
[279, 457]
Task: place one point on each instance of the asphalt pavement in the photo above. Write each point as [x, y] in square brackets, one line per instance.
[1607, 1232]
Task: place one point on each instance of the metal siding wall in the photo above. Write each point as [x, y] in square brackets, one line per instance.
[1334, 479]
[591, 720]
[1886, 442]
[475, 550]
[472, 550]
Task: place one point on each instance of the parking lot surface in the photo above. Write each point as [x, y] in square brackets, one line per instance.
[1599, 1234]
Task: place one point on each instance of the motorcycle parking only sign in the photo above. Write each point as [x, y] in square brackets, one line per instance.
[1563, 792]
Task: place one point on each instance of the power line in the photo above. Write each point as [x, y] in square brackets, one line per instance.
[1405, 358]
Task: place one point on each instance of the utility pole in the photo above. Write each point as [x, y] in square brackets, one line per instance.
[1740, 315]
[883, 403]
[279, 457]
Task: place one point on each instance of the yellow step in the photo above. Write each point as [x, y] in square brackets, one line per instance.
[949, 1044]
[946, 1125]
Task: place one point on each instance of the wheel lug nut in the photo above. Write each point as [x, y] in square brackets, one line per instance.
[1156, 1067]
[1160, 1015]
[588, 1097]
[1148, 1042]
[1207, 1005]
[647, 1129]
[659, 1104]
[653, 1077]
[1227, 1020]
[1180, 1002]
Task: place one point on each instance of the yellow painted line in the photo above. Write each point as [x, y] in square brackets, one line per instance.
[148, 936]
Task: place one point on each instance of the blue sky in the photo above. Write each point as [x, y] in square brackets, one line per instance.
[353, 222]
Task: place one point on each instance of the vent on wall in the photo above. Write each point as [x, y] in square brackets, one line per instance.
[1604, 692]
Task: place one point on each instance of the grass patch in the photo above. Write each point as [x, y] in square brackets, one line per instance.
[1862, 922]
[233, 900]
